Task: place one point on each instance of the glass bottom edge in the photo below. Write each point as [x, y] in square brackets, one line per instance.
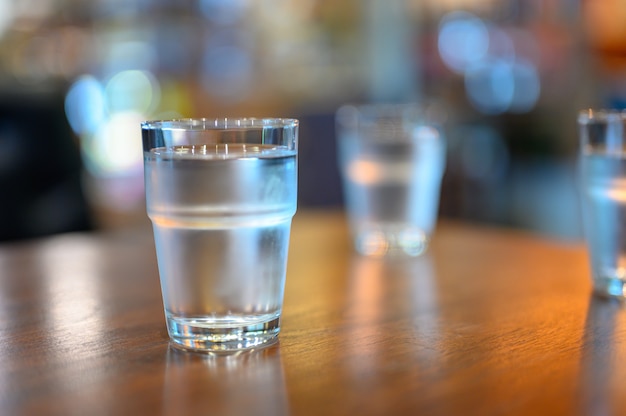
[609, 287]
[391, 243]
[202, 337]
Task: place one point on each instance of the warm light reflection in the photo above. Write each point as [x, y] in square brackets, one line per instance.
[615, 192]
[377, 283]
[366, 300]
[372, 243]
[239, 383]
[369, 172]
[367, 289]
[365, 172]
[604, 24]
[70, 271]
[424, 300]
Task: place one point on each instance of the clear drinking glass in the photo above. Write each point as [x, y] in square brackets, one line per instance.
[392, 159]
[221, 194]
[602, 169]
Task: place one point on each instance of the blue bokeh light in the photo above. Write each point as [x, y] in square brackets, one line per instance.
[527, 87]
[490, 86]
[85, 105]
[498, 78]
[106, 119]
[463, 40]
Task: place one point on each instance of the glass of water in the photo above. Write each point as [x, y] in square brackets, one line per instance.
[602, 168]
[392, 159]
[221, 194]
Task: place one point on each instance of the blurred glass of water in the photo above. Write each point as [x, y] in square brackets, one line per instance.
[602, 168]
[392, 159]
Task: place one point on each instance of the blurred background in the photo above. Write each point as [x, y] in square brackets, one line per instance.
[78, 76]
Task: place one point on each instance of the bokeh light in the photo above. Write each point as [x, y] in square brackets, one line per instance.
[463, 40]
[497, 77]
[106, 118]
[116, 146]
[6, 15]
[490, 86]
[85, 105]
[527, 87]
[134, 91]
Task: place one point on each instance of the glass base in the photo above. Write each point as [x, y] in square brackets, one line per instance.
[207, 335]
[391, 241]
[610, 286]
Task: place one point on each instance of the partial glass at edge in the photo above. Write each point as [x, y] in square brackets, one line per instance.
[221, 195]
[602, 170]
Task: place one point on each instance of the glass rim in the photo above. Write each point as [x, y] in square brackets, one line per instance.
[353, 113]
[601, 114]
[219, 123]
[384, 108]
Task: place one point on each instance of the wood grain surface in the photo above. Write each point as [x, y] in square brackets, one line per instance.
[489, 322]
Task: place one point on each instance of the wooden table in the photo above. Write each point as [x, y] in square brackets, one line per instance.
[490, 322]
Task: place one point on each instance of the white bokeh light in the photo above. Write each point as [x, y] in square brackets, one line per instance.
[132, 90]
[116, 147]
